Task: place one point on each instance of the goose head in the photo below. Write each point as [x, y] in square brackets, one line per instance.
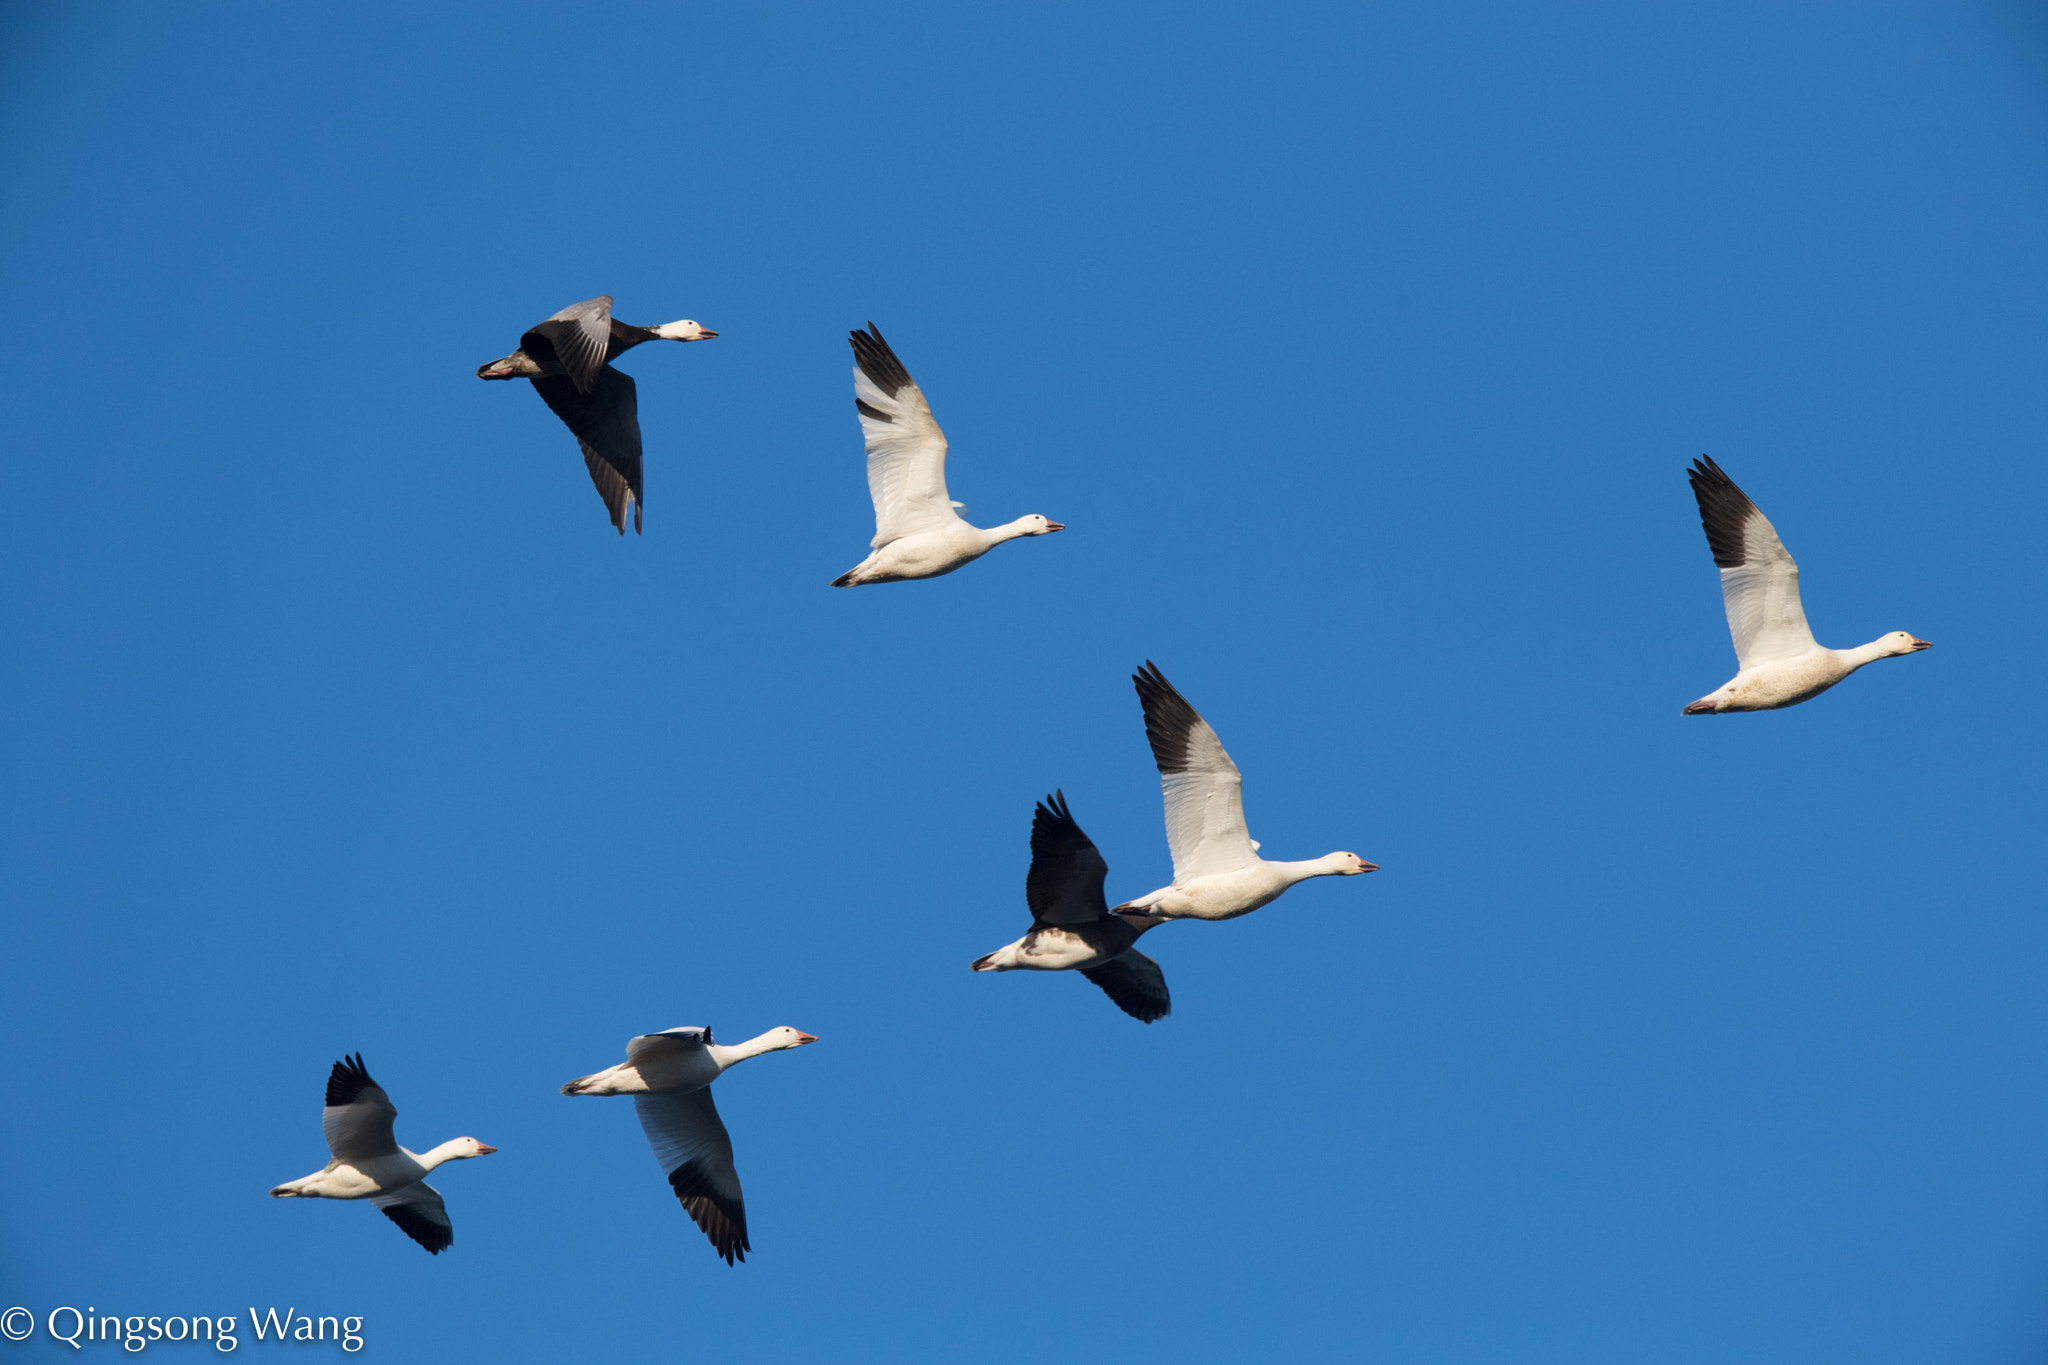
[463, 1148]
[683, 330]
[1349, 865]
[1902, 642]
[1035, 525]
[785, 1037]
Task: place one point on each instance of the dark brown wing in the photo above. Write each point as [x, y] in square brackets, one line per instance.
[606, 424]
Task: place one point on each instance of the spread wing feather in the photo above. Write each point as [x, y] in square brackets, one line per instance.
[906, 449]
[1064, 885]
[580, 336]
[1135, 983]
[358, 1115]
[606, 423]
[695, 1152]
[1205, 826]
[420, 1215]
[1759, 580]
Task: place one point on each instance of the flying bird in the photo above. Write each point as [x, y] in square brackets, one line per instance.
[568, 357]
[918, 530]
[1217, 870]
[369, 1164]
[1073, 928]
[1778, 661]
[669, 1076]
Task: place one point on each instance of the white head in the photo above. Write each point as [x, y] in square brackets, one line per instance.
[1348, 865]
[463, 1148]
[684, 330]
[1035, 525]
[1899, 642]
[787, 1037]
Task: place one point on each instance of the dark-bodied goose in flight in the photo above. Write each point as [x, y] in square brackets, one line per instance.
[669, 1076]
[1072, 926]
[568, 358]
[918, 531]
[1778, 661]
[1217, 870]
[369, 1164]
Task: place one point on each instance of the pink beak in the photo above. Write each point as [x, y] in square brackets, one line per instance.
[708, 334]
[1055, 526]
[1370, 867]
[484, 1149]
[1923, 644]
[803, 1037]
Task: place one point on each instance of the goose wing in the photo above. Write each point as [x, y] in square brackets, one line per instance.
[682, 1039]
[696, 1154]
[1759, 581]
[906, 449]
[579, 337]
[420, 1215]
[1204, 794]
[1134, 982]
[606, 423]
[357, 1119]
[1064, 885]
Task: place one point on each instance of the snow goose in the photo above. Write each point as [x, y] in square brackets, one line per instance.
[1072, 928]
[918, 532]
[1217, 870]
[1777, 660]
[369, 1164]
[669, 1076]
[568, 357]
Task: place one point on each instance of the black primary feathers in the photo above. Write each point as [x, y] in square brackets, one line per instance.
[606, 424]
[435, 1237]
[1132, 989]
[880, 365]
[1060, 853]
[1169, 719]
[348, 1080]
[1724, 509]
[723, 1220]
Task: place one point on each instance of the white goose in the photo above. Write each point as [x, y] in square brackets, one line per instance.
[669, 1076]
[1778, 661]
[369, 1164]
[1217, 870]
[918, 533]
[1072, 928]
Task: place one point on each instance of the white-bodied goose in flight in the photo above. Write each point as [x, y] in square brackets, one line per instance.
[568, 358]
[669, 1076]
[1778, 661]
[1217, 870]
[1072, 927]
[918, 532]
[369, 1164]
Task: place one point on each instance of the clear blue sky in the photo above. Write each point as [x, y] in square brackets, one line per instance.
[1361, 348]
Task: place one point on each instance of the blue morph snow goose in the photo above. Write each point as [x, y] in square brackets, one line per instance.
[918, 532]
[1073, 928]
[568, 357]
[369, 1164]
[669, 1076]
[1217, 870]
[1778, 661]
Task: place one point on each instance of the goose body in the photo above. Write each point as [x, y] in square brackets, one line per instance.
[367, 1162]
[1073, 928]
[918, 529]
[1779, 662]
[669, 1076]
[568, 357]
[1217, 871]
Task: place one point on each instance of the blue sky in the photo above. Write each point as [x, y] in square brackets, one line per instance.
[1362, 350]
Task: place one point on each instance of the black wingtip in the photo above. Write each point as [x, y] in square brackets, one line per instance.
[878, 362]
[1169, 718]
[435, 1237]
[348, 1079]
[1724, 508]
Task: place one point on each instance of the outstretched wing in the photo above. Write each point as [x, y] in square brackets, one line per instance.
[694, 1151]
[606, 424]
[1135, 983]
[1064, 885]
[357, 1119]
[1759, 581]
[906, 449]
[1204, 795]
[420, 1215]
[579, 337]
[683, 1038]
